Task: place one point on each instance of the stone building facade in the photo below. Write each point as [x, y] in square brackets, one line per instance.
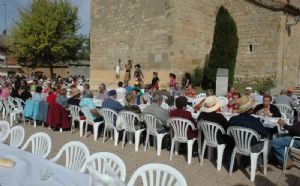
[177, 35]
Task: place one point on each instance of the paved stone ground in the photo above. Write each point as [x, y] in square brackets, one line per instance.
[195, 174]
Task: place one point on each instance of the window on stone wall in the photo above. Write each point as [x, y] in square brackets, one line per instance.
[251, 48]
[157, 58]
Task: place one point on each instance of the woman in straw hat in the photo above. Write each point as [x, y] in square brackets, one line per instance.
[209, 113]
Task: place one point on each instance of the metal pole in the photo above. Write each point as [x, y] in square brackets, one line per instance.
[4, 4]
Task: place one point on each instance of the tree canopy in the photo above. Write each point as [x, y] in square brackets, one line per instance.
[224, 49]
[46, 33]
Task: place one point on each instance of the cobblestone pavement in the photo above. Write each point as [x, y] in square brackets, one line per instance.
[194, 174]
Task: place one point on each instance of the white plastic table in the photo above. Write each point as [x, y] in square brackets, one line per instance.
[30, 170]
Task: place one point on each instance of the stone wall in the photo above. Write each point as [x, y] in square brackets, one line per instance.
[176, 36]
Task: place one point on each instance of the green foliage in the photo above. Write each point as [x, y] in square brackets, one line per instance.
[46, 33]
[262, 86]
[84, 52]
[224, 49]
[197, 76]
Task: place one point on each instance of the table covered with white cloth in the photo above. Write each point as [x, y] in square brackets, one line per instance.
[31, 170]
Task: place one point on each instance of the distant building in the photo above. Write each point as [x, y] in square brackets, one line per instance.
[8, 64]
[176, 36]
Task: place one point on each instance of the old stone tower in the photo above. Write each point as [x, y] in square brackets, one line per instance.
[176, 36]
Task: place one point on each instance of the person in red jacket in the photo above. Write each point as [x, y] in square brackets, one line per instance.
[51, 96]
[180, 111]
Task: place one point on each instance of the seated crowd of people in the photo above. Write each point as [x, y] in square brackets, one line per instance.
[131, 96]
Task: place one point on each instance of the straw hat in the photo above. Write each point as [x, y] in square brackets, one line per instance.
[211, 104]
[75, 91]
[246, 103]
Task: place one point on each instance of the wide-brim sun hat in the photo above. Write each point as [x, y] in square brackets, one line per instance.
[245, 104]
[74, 91]
[211, 104]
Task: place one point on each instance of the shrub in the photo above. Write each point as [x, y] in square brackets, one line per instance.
[224, 49]
[197, 76]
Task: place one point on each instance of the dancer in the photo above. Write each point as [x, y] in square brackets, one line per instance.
[138, 74]
[118, 69]
[128, 68]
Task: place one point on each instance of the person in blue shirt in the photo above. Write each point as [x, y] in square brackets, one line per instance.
[37, 96]
[111, 102]
[87, 101]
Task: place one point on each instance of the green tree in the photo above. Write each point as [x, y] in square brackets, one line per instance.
[84, 51]
[224, 49]
[46, 34]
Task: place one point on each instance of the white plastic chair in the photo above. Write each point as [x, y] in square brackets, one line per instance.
[210, 130]
[287, 151]
[4, 130]
[20, 104]
[77, 154]
[129, 119]
[17, 135]
[242, 137]
[165, 98]
[223, 101]
[287, 110]
[113, 161]
[158, 175]
[110, 118]
[90, 121]
[151, 122]
[12, 111]
[75, 110]
[40, 144]
[2, 108]
[180, 127]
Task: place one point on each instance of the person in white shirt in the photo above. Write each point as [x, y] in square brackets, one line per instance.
[118, 69]
[121, 91]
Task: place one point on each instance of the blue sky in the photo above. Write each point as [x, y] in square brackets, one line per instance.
[12, 7]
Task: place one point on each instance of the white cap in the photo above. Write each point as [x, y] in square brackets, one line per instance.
[248, 88]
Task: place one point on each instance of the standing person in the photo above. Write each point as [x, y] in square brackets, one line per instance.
[155, 81]
[118, 69]
[186, 80]
[128, 68]
[172, 82]
[138, 74]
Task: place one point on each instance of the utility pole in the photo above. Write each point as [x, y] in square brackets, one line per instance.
[4, 31]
